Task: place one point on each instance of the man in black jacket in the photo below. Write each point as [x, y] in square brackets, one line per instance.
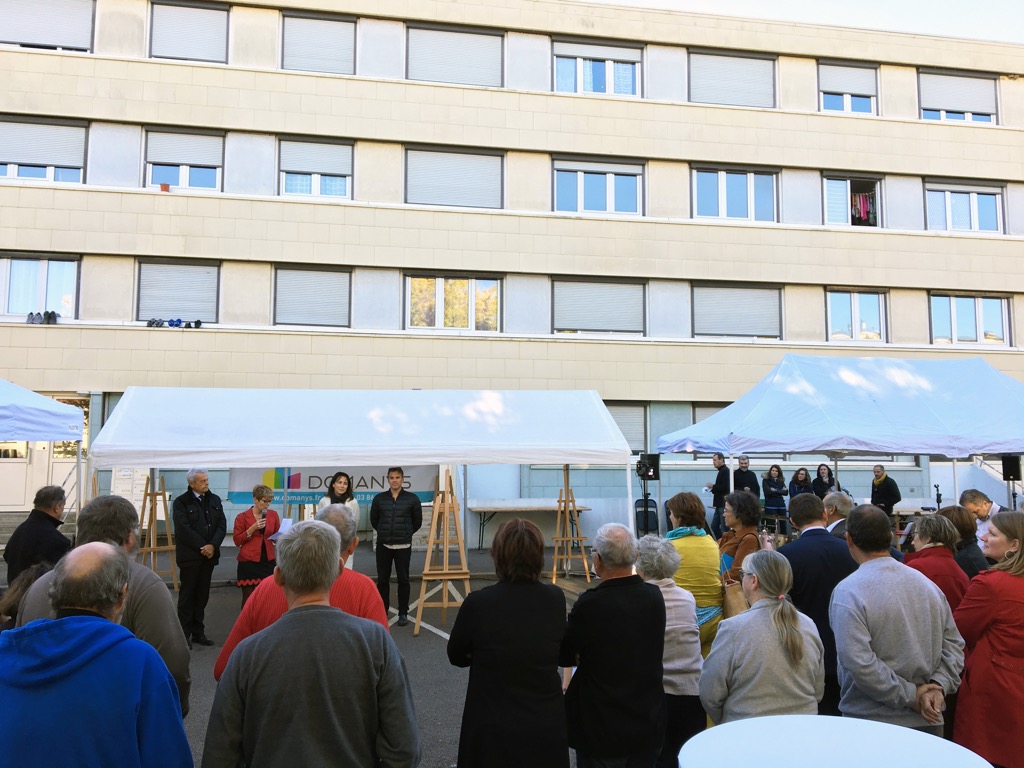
[395, 515]
[199, 528]
[37, 539]
[719, 490]
[743, 479]
[885, 494]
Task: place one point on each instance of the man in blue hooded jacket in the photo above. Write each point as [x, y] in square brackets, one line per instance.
[108, 695]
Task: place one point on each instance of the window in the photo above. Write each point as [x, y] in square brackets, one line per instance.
[39, 285]
[958, 97]
[319, 45]
[42, 151]
[581, 307]
[854, 316]
[582, 68]
[178, 290]
[737, 311]
[631, 419]
[445, 56]
[962, 208]
[969, 320]
[65, 24]
[848, 88]
[744, 81]
[193, 32]
[311, 297]
[599, 187]
[453, 178]
[465, 303]
[852, 201]
[186, 160]
[313, 168]
[734, 194]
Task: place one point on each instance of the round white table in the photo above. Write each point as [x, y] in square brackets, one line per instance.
[817, 741]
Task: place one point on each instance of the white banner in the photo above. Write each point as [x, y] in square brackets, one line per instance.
[309, 485]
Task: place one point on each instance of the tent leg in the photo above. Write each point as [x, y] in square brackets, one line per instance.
[629, 494]
[732, 475]
[78, 478]
[956, 484]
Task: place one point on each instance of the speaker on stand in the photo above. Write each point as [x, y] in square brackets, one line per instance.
[1011, 476]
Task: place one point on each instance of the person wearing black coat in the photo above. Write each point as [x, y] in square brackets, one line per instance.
[509, 635]
[824, 483]
[885, 494]
[199, 528]
[395, 515]
[37, 539]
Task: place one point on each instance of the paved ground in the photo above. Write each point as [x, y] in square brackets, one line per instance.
[438, 688]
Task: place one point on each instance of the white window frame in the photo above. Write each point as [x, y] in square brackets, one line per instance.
[184, 173]
[315, 190]
[314, 168]
[847, 79]
[175, 312]
[978, 315]
[855, 315]
[610, 171]
[439, 283]
[321, 301]
[610, 55]
[10, 171]
[722, 195]
[944, 116]
[216, 163]
[948, 190]
[847, 103]
[849, 215]
[41, 285]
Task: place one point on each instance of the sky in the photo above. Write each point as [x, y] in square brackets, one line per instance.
[999, 20]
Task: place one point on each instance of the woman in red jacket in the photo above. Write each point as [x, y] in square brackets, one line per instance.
[990, 713]
[253, 529]
[935, 541]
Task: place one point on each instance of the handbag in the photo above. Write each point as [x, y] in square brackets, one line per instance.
[733, 601]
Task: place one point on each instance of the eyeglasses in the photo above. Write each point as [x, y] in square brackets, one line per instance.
[741, 573]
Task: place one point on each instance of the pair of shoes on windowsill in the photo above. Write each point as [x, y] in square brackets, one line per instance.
[50, 318]
[154, 323]
[34, 318]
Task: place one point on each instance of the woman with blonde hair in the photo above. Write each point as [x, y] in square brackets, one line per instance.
[768, 660]
[698, 567]
[990, 710]
[253, 529]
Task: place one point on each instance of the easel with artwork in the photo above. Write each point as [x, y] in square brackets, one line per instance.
[568, 540]
[439, 565]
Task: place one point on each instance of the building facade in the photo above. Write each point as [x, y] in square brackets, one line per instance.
[496, 194]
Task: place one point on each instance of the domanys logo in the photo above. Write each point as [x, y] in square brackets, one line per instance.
[274, 478]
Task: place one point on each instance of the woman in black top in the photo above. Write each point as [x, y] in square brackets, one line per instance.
[824, 483]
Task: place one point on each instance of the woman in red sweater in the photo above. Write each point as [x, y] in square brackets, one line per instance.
[990, 713]
[935, 540]
[253, 529]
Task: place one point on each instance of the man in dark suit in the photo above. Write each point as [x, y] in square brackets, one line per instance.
[837, 506]
[199, 528]
[37, 539]
[819, 561]
[615, 637]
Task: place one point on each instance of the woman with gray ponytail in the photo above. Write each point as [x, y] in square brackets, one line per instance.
[768, 660]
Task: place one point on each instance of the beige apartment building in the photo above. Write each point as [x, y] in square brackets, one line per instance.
[501, 194]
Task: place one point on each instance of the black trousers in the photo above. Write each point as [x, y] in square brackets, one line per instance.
[686, 718]
[193, 595]
[401, 559]
[829, 704]
[717, 522]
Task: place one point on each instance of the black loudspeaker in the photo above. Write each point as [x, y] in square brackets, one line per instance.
[648, 466]
[1011, 468]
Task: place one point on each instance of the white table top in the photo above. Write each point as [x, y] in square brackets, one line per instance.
[817, 741]
[516, 505]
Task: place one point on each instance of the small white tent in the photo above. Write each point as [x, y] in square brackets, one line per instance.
[840, 405]
[27, 415]
[228, 428]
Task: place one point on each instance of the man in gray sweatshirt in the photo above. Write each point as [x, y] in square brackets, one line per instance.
[900, 653]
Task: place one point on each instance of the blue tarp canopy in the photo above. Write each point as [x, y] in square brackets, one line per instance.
[27, 415]
[867, 405]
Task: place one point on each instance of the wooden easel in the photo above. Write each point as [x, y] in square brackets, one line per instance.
[438, 566]
[301, 512]
[151, 545]
[567, 531]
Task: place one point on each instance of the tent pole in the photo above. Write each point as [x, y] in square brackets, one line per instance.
[465, 494]
[732, 477]
[835, 470]
[956, 484]
[78, 477]
[629, 492]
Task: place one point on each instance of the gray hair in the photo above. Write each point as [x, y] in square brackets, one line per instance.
[343, 520]
[657, 558]
[616, 545]
[775, 580]
[838, 501]
[192, 474]
[938, 530]
[91, 577]
[743, 457]
[107, 518]
[974, 496]
[308, 557]
[48, 497]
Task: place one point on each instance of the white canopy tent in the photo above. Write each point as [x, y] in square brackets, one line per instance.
[27, 415]
[867, 405]
[228, 428]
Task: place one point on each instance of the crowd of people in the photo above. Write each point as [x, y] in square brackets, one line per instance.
[832, 623]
